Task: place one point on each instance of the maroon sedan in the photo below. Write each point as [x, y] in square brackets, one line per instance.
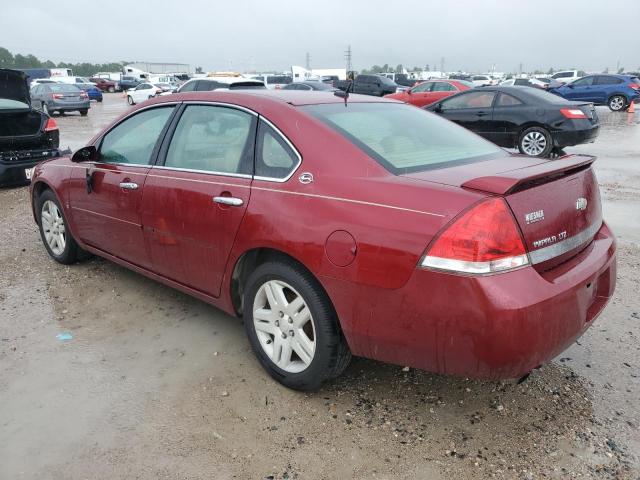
[105, 85]
[366, 227]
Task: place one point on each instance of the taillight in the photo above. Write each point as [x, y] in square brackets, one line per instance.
[635, 86]
[57, 95]
[51, 125]
[483, 240]
[572, 113]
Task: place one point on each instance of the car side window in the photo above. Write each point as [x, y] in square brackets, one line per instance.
[188, 87]
[505, 100]
[133, 140]
[213, 139]
[583, 82]
[274, 157]
[605, 80]
[423, 87]
[443, 87]
[481, 99]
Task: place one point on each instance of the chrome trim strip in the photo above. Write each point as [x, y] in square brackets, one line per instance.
[295, 150]
[348, 200]
[224, 184]
[206, 172]
[557, 249]
[106, 216]
[221, 104]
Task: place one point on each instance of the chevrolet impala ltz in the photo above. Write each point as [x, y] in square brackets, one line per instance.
[337, 226]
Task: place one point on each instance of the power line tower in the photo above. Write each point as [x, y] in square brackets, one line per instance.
[347, 57]
[308, 61]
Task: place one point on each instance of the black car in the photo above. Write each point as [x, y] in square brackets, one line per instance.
[27, 135]
[536, 122]
[376, 85]
[310, 85]
[126, 82]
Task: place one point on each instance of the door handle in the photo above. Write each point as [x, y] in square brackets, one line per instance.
[231, 201]
[481, 114]
[128, 185]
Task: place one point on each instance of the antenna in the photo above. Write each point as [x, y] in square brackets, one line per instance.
[347, 57]
[345, 94]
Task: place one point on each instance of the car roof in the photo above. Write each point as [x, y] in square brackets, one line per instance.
[256, 98]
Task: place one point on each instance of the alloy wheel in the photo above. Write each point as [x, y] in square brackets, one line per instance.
[616, 103]
[534, 143]
[53, 227]
[284, 326]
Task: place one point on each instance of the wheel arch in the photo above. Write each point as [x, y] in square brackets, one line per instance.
[248, 261]
[36, 190]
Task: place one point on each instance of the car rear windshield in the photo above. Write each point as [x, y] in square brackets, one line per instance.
[403, 138]
[60, 87]
[635, 80]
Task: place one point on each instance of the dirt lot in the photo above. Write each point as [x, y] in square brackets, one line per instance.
[156, 385]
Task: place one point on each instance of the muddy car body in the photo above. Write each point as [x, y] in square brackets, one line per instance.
[27, 135]
[394, 234]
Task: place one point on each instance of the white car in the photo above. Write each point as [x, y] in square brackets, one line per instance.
[525, 82]
[567, 76]
[142, 92]
[483, 81]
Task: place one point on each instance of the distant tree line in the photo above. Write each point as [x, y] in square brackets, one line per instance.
[84, 69]
[386, 68]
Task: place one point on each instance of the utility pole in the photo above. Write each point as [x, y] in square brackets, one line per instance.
[347, 57]
[442, 64]
[520, 68]
[308, 62]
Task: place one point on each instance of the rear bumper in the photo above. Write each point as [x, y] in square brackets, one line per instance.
[69, 106]
[499, 326]
[13, 173]
[568, 138]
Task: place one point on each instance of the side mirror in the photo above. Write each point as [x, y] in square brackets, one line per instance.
[570, 85]
[438, 108]
[85, 154]
[408, 90]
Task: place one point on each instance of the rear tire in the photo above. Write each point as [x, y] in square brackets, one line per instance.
[303, 320]
[84, 112]
[54, 232]
[130, 100]
[535, 142]
[617, 103]
[99, 100]
[111, 89]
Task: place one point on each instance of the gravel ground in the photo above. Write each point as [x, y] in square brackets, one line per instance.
[156, 385]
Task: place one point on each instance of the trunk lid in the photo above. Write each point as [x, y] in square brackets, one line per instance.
[556, 203]
[14, 86]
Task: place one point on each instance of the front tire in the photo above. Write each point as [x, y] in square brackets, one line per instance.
[130, 100]
[535, 142]
[84, 112]
[292, 326]
[111, 89]
[617, 103]
[55, 235]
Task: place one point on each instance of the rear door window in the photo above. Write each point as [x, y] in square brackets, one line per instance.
[482, 99]
[607, 80]
[133, 140]
[443, 87]
[188, 87]
[213, 139]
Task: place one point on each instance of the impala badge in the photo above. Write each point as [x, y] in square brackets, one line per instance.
[305, 178]
[534, 217]
[581, 204]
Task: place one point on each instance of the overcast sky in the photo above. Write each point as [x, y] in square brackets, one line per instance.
[471, 35]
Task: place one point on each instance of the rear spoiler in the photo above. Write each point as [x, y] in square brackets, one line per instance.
[512, 181]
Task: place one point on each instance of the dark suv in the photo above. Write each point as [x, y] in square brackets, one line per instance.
[27, 136]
